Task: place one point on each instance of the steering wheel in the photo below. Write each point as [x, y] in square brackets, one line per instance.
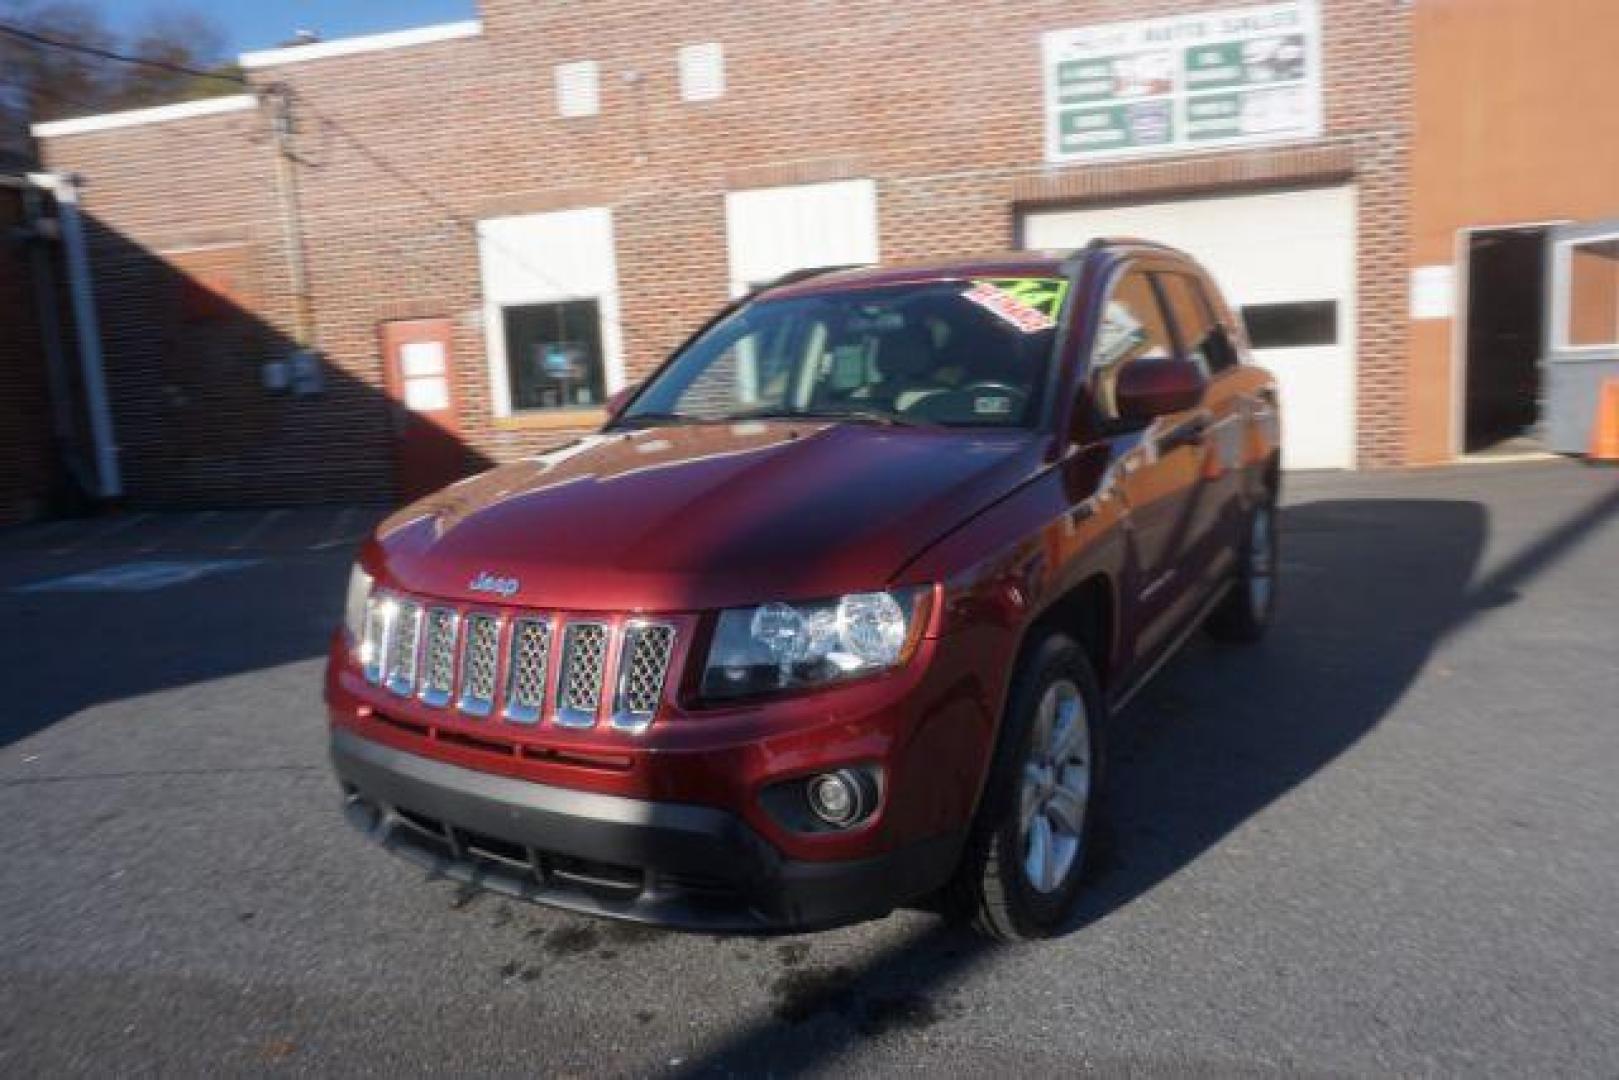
[961, 404]
[990, 384]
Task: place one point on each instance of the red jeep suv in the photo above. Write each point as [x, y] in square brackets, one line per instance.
[831, 615]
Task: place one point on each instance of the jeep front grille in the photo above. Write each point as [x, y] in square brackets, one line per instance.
[527, 669]
[403, 653]
[643, 663]
[480, 662]
[438, 656]
[584, 666]
[522, 667]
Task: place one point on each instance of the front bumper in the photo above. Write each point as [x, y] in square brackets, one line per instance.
[672, 864]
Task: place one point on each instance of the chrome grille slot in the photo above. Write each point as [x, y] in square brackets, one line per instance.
[584, 665]
[373, 647]
[438, 656]
[480, 661]
[404, 647]
[530, 656]
[643, 663]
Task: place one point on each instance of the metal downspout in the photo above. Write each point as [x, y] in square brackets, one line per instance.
[88, 331]
[50, 332]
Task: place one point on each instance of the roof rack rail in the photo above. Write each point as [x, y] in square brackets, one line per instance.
[1097, 243]
[1140, 241]
[1077, 256]
[792, 277]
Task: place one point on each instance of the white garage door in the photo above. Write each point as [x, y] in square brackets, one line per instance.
[1287, 261]
[771, 231]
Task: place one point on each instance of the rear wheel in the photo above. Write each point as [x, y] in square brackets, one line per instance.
[1245, 613]
[1020, 874]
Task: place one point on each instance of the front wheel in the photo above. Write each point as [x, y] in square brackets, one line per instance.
[1245, 613]
[1020, 874]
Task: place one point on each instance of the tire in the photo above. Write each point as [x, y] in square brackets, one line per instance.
[1000, 887]
[1249, 605]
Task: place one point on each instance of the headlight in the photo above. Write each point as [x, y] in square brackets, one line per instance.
[354, 607]
[794, 646]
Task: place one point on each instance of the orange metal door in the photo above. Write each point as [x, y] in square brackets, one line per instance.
[420, 376]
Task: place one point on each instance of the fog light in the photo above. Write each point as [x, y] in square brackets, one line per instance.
[837, 798]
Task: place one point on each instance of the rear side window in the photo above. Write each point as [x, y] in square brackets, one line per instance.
[1133, 328]
[1204, 338]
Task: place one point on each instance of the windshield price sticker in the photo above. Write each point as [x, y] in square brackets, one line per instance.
[1029, 304]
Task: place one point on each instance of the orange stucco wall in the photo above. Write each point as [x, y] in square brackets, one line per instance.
[1516, 122]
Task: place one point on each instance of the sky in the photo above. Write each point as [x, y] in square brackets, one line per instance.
[260, 24]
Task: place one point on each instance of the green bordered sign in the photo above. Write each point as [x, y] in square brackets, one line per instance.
[1245, 75]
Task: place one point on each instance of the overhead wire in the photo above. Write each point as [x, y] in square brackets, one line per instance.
[449, 213]
[123, 58]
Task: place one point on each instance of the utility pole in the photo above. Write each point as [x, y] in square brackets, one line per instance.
[286, 175]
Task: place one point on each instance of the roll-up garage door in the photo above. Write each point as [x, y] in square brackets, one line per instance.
[1286, 261]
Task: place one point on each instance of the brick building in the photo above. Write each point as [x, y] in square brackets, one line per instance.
[540, 204]
[29, 476]
[47, 409]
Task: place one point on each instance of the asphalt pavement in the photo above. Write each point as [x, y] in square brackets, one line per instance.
[1385, 840]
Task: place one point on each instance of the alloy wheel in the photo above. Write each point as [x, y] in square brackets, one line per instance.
[1056, 788]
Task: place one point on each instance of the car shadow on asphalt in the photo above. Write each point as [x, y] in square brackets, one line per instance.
[1371, 587]
[73, 650]
[186, 359]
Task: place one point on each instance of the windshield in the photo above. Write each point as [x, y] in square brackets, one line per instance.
[968, 353]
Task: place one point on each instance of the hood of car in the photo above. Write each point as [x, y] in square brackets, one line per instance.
[693, 517]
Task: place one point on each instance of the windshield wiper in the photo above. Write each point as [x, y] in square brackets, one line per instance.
[660, 419]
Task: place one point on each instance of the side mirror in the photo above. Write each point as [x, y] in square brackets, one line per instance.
[620, 398]
[1151, 388]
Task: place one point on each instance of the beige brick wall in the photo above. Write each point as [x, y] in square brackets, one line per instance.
[939, 103]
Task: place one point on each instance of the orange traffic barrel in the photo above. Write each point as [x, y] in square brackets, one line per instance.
[1605, 431]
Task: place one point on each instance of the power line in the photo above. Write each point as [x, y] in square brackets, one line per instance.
[446, 211]
[122, 58]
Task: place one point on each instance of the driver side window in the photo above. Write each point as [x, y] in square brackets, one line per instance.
[1133, 328]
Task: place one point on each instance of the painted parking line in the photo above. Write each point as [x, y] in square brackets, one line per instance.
[352, 525]
[338, 532]
[140, 576]
[91, 537]
[257, 529]
[300, 530]
[180, 524]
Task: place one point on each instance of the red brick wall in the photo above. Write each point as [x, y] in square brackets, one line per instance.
[939, 103]
[191, 419]
[28, 466]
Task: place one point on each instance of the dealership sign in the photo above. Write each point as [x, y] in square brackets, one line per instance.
[1187, 82]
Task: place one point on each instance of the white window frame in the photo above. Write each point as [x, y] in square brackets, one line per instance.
[513, 273]
[1562, 281]
[588, 74]
[694, 63]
